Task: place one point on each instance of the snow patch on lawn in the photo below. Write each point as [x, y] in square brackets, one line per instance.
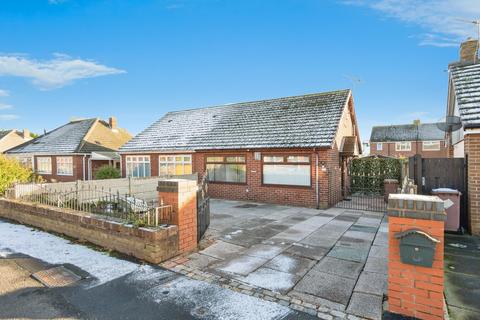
[212, 302]
[56, 250]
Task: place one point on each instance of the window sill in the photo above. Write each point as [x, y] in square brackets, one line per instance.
[231, 183]
[287, 186]
[65, 175]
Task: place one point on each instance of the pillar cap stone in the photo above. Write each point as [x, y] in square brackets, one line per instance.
[415, 206]
[176, 185]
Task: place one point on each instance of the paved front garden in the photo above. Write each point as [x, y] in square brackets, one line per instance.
[335, 258]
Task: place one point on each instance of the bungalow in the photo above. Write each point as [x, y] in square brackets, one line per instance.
[464, 105]
[73, 151]
[290, 150]
[407, 140]
[13, 138]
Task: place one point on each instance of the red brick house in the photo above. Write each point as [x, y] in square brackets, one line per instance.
[407, 140]
[464, 103]
[73, 151]
[287, 151]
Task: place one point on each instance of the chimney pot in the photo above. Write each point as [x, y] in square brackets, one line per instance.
[112, 121]
[26, 134]
[469, 51]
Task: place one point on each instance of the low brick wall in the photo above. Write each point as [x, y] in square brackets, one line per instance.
[152, 245]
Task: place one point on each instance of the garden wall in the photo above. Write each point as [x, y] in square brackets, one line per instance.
[152, 245]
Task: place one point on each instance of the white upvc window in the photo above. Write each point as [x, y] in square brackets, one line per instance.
[403, 146]
[286, 170]
[379, 146]
[44, 165]
[172, 165]
[431, 145]
[138, 166]
[65, 166]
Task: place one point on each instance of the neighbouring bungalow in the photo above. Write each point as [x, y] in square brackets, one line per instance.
[407, 140]
[73, 151]
[464, 105]
[290, 150]
[13, 138]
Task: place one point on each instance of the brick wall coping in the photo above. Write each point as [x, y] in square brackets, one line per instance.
[176, 185]
[416, 206]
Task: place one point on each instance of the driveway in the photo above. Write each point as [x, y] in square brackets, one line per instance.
[335, 258]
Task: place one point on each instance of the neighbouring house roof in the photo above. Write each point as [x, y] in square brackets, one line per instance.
[299, 121]
[407, 132]
[465, 80]
[80, 136]
[4, 133]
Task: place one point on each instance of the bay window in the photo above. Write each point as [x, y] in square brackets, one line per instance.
[138, 166]
[230, 169]
[44, 165]
[287, 170]
[171, 165]
[65, 166]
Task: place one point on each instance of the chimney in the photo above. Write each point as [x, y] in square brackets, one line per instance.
[416, 122]
[26, 134]
[112, 121]
[469, 51]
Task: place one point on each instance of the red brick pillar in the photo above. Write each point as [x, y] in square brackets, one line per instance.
[472, 151]
[414, 290]
[182, 196]
[390, 186]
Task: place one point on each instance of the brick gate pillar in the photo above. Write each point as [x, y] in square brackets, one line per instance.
[181, 194]
[414, 289]
[472, 152]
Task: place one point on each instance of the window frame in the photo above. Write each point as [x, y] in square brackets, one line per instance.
[174, 162]
[140, 155]
[285, 162]
[379, 144]
[38, 165]
[57, 163]
[224, 156]
[399, 143]
[431, 142]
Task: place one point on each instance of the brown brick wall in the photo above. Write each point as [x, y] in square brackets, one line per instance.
[151, 245]
[472, 151]
[77, 169]
[388, 150]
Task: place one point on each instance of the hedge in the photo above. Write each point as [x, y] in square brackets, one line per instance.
[367, 174]
[11, 171]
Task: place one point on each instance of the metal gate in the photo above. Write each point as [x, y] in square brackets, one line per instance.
[368, 199]
[433, 173]
[203, 208]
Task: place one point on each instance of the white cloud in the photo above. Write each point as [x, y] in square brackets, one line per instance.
[54, 73]
[4, 106]
[441, 19]
[4, 93]
[8, 117]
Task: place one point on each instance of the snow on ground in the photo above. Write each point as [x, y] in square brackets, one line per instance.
[56, 250]
[213, 302]
[270, 279]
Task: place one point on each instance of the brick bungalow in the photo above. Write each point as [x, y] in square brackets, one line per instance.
[464, 102]
[407, 140]
[290, 150]
[13, 138]
[73, 151]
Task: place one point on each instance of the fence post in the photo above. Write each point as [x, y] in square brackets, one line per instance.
[129, 185]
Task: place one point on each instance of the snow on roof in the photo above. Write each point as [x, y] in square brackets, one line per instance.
[466, 84]
[407, 132]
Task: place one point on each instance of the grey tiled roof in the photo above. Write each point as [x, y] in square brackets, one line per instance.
[300, 121]
[65, 139]
[407, 132]
[466, 83]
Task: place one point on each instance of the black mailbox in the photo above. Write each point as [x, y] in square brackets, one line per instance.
[417, 247]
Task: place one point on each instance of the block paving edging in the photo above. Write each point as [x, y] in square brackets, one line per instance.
[178, 265]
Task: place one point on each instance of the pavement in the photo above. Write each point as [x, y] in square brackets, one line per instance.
[84, 283]
[462, 276]
[336, 258]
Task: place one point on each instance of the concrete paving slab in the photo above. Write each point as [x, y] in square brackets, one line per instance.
[463, 314]
[362, 228]
[366, 305]
[291, 264]
[372, 283]
[343, 268]
[264, 251]
[369, 221]
[378, 252]
[359, 235]
[316, 300]
[200, 261]
[456, 285]
[377, 265]
[351, 254]
[307, 251]
[354, 243]
[222, 250]
[271, 279]
[324, 241]
[242, 265]
[381, 239]
[326, 286]
[246, 238]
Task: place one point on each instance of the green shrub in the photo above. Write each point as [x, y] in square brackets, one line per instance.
[368, 174]
[107, 172]
[11, 171]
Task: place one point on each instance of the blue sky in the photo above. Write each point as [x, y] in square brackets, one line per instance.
[61, 59]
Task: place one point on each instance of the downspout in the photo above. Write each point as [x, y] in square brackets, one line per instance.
[317, 194]
[90, 168]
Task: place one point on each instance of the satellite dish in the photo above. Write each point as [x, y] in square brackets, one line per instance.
[452, 123]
